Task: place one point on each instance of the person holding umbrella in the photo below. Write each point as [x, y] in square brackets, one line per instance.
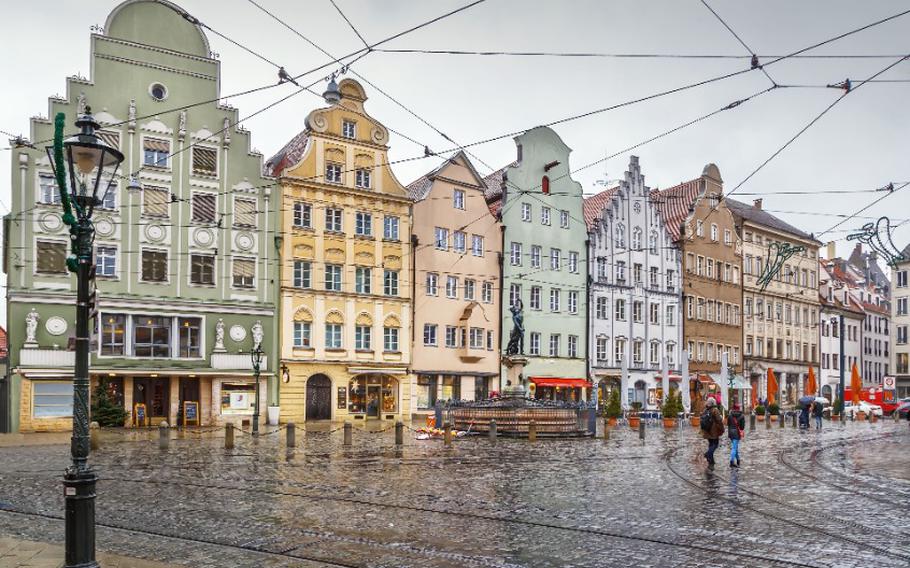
[817, 410]
[804, 405]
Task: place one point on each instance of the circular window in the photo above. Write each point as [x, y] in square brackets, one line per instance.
[158, 91]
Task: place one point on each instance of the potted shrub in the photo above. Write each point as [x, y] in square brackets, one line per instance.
[634, 419]
[614, 408]
[837, 409]
[774, 411]
[105, 411]
[760, 413]
[669, 411]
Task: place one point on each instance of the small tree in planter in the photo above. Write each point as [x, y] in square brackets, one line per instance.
[774, 411]
[671, 408]
[760, 413]
[105, 411]
[614, 407]
[634, 419]
[837, 410]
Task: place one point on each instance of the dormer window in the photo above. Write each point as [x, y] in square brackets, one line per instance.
[349, 129]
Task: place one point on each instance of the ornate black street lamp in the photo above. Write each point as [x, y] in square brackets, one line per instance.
[83, 164]
[256, 356]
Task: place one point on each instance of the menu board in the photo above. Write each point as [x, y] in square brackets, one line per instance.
[342, 398]
[139, 415]
[190, 412]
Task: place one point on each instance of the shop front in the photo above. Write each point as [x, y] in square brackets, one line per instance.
[562, 389]
[431, 388]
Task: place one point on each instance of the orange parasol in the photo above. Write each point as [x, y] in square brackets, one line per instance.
[772, 386]
[754, 397]
[811, 388]
[856, 384]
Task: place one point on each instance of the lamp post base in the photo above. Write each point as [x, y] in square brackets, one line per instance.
[79, 494]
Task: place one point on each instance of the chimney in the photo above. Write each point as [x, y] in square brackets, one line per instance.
[831, 250]
[757, 204]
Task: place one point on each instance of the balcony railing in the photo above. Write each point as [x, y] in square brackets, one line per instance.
[239, 361]
[46, 358]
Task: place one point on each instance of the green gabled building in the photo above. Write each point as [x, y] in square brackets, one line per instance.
[544, 259]
[185, 265]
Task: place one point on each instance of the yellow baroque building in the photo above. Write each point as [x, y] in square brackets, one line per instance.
[345, 303]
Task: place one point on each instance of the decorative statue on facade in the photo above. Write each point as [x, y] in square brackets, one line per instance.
[132, 115]
[517, 337]
[227, 132]
[80, 103]
[257, 333]
[31, 329]
[181, 125]
[219, 335]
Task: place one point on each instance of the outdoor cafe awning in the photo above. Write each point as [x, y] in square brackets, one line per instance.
[560, 382]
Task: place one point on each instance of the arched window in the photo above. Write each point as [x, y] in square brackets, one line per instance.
[636, 239]
[545, 184]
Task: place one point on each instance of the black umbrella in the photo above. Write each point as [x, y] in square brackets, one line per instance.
[805, 401]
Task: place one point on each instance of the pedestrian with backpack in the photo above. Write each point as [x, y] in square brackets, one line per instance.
[736, 425]
[712, 428]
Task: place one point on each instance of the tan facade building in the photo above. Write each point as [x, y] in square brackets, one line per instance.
[457, 257]
[345, 272]
[703, 227]
[780, 325]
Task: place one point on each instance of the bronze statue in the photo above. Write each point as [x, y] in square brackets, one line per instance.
[517, 337]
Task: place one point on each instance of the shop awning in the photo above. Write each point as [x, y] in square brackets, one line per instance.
[560, 382]
[674, 377]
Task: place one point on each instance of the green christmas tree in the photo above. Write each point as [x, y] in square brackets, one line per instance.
[104, 410]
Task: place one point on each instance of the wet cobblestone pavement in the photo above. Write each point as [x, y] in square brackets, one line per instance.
[838, 497]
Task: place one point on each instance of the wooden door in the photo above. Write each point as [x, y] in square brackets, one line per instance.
[319, 398]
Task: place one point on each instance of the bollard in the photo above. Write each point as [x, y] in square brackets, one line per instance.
[794, 420]
[641, 430]
[896, 416]
[399, 433]
[767, 421]
[782, 420]
[164, 436]
[95, 433]
[348, 433]
[532, 431]
[751, 422]
[292, 435]
[606, 431]
[229, 436]
[437, 414]
[492, 432]
[448, 434]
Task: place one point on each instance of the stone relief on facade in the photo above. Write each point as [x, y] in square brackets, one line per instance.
[181, 126]
[227, 132]
[219, 336]
[55, 325]
[131, 121]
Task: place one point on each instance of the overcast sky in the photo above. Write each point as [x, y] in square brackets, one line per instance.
[860, 144]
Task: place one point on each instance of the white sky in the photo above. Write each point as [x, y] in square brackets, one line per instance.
[860, 144]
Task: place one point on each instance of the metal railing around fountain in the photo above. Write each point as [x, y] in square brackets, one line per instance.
[514, 415]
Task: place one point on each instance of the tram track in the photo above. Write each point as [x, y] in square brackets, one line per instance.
[761, 559]
[781, 459]
[807, 527]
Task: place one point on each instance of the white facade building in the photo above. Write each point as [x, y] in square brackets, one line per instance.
[900, 317]
[634, 270]
[837, 301]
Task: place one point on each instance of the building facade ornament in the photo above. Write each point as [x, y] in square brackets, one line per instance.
[31, 329]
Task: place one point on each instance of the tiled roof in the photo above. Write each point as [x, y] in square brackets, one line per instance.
[420, 187]
[594, 205]
[287, 156]
[674, 204]
[761, 217]
[837, 304]
[870, 307]
[493, 193]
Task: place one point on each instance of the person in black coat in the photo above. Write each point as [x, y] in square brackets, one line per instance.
[736, 425]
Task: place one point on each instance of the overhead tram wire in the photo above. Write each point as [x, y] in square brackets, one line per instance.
[863, 209]
[350, 24]
[755, 59]
[810, 124]
[490, 53]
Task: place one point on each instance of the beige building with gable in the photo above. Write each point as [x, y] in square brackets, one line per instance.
[345, 269]
[457, 257]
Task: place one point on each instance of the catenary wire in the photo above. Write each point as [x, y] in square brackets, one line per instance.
[740, 40]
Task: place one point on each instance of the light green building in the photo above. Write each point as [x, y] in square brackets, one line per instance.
[544, 262]
[186, 266]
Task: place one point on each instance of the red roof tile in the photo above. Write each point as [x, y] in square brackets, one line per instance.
[594, 205]
[287, 156]
[674, 204]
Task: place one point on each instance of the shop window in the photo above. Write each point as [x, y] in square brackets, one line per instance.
[372, 394]
[52, 399]
[237, 398]
[451, 388]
